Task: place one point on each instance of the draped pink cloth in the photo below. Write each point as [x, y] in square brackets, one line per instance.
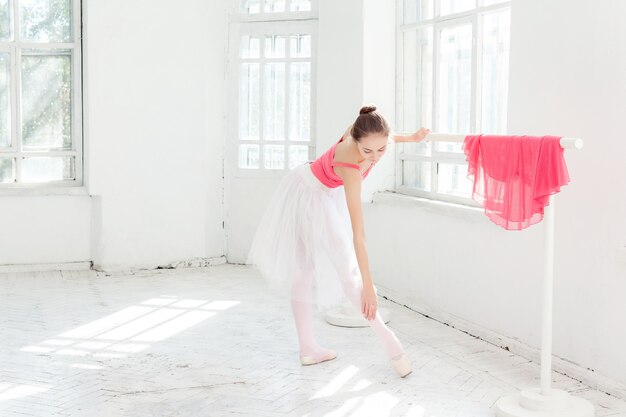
[514, 176]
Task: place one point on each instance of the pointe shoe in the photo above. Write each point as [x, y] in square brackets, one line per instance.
[307, 360]
[401, 365]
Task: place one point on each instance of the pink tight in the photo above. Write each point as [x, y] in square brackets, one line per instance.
[302, 313]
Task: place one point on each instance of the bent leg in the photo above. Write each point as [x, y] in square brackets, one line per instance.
[353, 288]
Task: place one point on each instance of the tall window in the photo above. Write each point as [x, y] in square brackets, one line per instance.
[453, 78]
[275, 58]
[40, 123]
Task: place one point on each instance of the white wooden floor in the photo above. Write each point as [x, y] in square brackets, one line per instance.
[211, 342]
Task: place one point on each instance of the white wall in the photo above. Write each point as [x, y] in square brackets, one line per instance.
[379, 81]
[155, 130]
[154, 134]
[580, 91]
[567, 77]
[340, 69]
[43, 229]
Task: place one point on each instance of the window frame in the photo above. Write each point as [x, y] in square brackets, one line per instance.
[15, 48]
[265, 24]
[238, 16]
[438, 23]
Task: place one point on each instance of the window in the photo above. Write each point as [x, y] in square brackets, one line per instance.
[257, 8]
[40, 123]
[453, 78]
[275, 85]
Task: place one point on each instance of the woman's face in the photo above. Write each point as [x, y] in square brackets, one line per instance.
[373, 146]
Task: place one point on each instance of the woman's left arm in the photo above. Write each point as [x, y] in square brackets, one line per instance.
[352, 186]
[415, 137]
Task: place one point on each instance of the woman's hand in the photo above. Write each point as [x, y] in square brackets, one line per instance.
[415, 137]
[369, 304]
[419, 135]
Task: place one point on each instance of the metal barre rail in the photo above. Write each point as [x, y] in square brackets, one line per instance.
[566, 143]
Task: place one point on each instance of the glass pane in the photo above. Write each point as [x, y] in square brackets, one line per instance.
[416, 174]
[417, 10]
[46, 20]
[5, 21]
[45, 169]
[298, 155]
[274, 6]
[275, 46]
[250, 6]
[455, 6]
[249, 102]
[492, 2]
[7, 170]
[455, 79]
[274, 157]
[274, 102]
[300, 101]
[452, 179]
[248, 156]
[420, 148]
[46, 101]
[250, 47]
[5, 101]
[301, 46]
[455, 147]
[418, 79]
[300, 5]
[495, 71]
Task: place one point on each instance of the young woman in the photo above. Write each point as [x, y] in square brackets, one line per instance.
[312, 233]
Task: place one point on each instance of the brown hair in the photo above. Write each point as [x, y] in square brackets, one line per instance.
[369, 121]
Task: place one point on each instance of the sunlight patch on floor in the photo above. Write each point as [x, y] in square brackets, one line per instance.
[378, 404]
[336, 383]
[133, 329]
[345, 408]
[362, 384]
[416, 411]
[19, 391]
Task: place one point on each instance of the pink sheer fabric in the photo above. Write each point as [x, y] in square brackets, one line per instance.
[514, 176]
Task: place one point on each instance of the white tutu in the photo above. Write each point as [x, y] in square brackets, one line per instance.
[306, 227]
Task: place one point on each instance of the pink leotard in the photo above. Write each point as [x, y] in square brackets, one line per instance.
[323, 170]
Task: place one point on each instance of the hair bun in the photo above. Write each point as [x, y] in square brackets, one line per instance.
[367, 109]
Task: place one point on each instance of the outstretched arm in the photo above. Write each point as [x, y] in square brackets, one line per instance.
[415, 137]
[352, 186]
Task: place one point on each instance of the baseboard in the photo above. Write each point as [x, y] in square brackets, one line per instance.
[195, 263]
[563, 366]
[83, 266]
[64, 266]
[188, 263]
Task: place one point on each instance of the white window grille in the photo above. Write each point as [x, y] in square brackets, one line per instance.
[453, 66]
[276, 9]
[40, 93]
[275, 85]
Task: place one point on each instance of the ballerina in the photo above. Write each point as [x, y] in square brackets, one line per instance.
[312, 233]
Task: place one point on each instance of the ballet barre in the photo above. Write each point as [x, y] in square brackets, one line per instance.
[544, 401]
[566, 143]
